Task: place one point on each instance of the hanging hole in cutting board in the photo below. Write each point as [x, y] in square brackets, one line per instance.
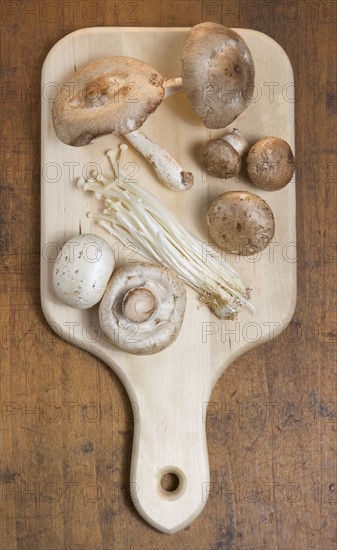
[169, 482]
[172, 482]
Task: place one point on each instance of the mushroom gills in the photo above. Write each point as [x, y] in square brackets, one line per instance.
[142, 309]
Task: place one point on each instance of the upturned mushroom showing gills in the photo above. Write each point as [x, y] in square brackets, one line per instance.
[143, 307]
[217, 73]
[270, 163]
[222, 156]
[116, 95]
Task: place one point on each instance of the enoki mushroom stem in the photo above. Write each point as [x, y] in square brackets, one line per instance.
[133, 215]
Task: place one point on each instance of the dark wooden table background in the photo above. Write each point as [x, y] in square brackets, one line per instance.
[66, 422]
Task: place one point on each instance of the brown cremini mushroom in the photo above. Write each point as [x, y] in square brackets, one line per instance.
[240, 222]
[217, 73]
[143, 308]
[116, 95]
[270, 163]
[222, 156]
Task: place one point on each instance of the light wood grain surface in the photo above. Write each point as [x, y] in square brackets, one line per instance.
[67, 424]
[170, 389]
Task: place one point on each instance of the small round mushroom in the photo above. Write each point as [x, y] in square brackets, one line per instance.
[270, 163]
[241, 222]
[82, 271]
[217, 73]
[143, 308]
[116, 95]
[222, 156]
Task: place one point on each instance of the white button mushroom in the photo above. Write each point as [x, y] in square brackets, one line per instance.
[82, 271]
[143, 307]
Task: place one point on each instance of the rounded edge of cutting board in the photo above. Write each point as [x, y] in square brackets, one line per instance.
[138, 389]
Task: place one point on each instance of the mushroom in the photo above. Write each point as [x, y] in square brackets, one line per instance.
[134, 215]
[143, 307]
[82, 271]
[240, 222]
[222, 156]
[116, 95]
[217, 73]
[270, 163]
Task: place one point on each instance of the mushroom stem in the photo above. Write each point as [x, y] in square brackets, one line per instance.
[168, 170]
[172, 86]
[98, 107]
[139, 304]
[237, 141]
[133, 214]
[143, 307]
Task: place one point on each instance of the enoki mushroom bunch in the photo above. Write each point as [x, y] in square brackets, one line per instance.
[134, 215]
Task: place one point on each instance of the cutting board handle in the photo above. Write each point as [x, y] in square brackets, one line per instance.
[170, 445]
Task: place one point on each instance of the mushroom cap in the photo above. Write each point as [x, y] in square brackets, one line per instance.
[82, 270]
[241, 222]
[220, 159]
[109, 95]
[270, 163]
[217, 73]
[143, 308]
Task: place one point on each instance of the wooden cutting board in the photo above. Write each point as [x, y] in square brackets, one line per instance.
[170, 390]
